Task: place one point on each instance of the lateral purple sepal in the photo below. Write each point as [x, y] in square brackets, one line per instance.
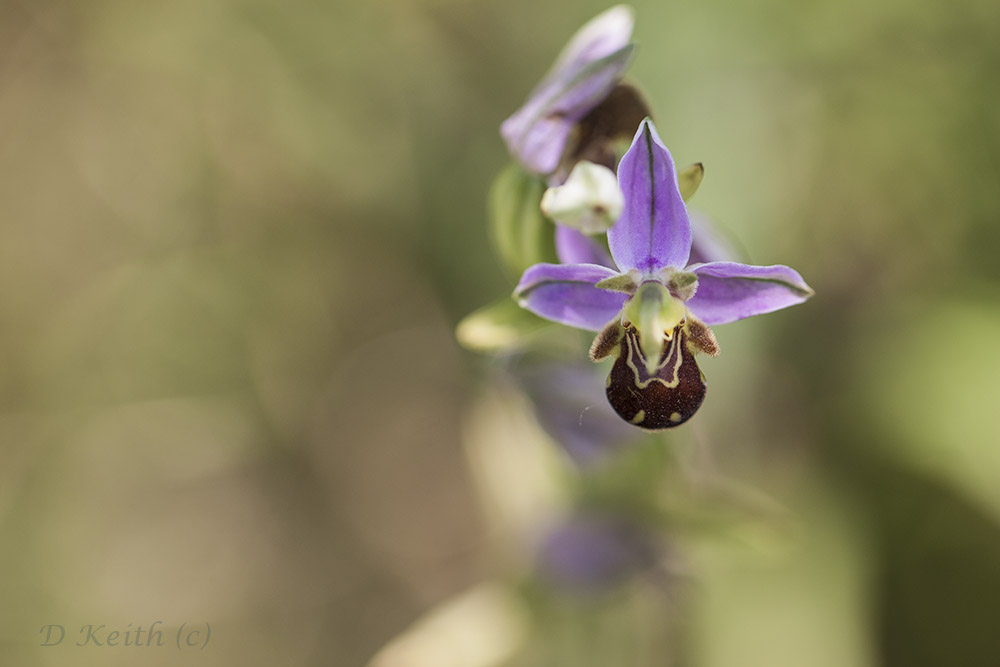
[729, 291]
[565, 293]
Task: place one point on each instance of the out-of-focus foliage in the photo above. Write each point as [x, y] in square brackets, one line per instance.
[520, 233]
[235, 239]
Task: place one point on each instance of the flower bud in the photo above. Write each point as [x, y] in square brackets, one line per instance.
[590, 199]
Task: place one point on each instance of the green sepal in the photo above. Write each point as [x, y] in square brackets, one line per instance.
[621, 283]
[683, 284]
[500, 325]
[521, 234]
[689, 179]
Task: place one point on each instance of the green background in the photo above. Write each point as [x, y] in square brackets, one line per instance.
[236, 236]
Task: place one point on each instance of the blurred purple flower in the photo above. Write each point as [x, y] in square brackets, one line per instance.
[587, 70]
[570, 407]
[653, 311]
[590, 553]
[707, 244]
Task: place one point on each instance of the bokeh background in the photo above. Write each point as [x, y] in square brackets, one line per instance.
[235, 240]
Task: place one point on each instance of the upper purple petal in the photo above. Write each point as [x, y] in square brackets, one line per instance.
[729, 291]
[588, 68]
[654, 230]
[565, 293]
[575, 247]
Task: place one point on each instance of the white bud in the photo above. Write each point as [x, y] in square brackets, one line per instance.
[590, 199]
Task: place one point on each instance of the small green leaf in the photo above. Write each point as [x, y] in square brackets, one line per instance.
[522, 235]
[501, 325]
[689, 179]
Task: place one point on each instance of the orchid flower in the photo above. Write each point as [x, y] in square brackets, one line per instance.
[567, 405]
[589, 552]
[654, 312]
[585, 73]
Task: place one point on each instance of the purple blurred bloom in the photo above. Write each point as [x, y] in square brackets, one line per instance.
[570, 407]
[589, 553]
[654, 309]
[707, 244]
[585, 73]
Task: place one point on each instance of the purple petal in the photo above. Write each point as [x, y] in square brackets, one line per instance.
[728, 291]
[537, 133]
[707, 244]
[588, 553]
[587, 70]
[601, 36]
[575, 247]
[654, 230]
[565, 293]
[535, 140]
[571, 406]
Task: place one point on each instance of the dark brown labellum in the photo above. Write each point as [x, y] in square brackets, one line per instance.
[668, 397]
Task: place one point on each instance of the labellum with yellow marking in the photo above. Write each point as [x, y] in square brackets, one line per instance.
[668, 396]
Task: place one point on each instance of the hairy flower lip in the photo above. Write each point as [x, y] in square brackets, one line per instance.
[659, 395]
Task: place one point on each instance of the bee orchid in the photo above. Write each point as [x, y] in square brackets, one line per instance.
[654, 312]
